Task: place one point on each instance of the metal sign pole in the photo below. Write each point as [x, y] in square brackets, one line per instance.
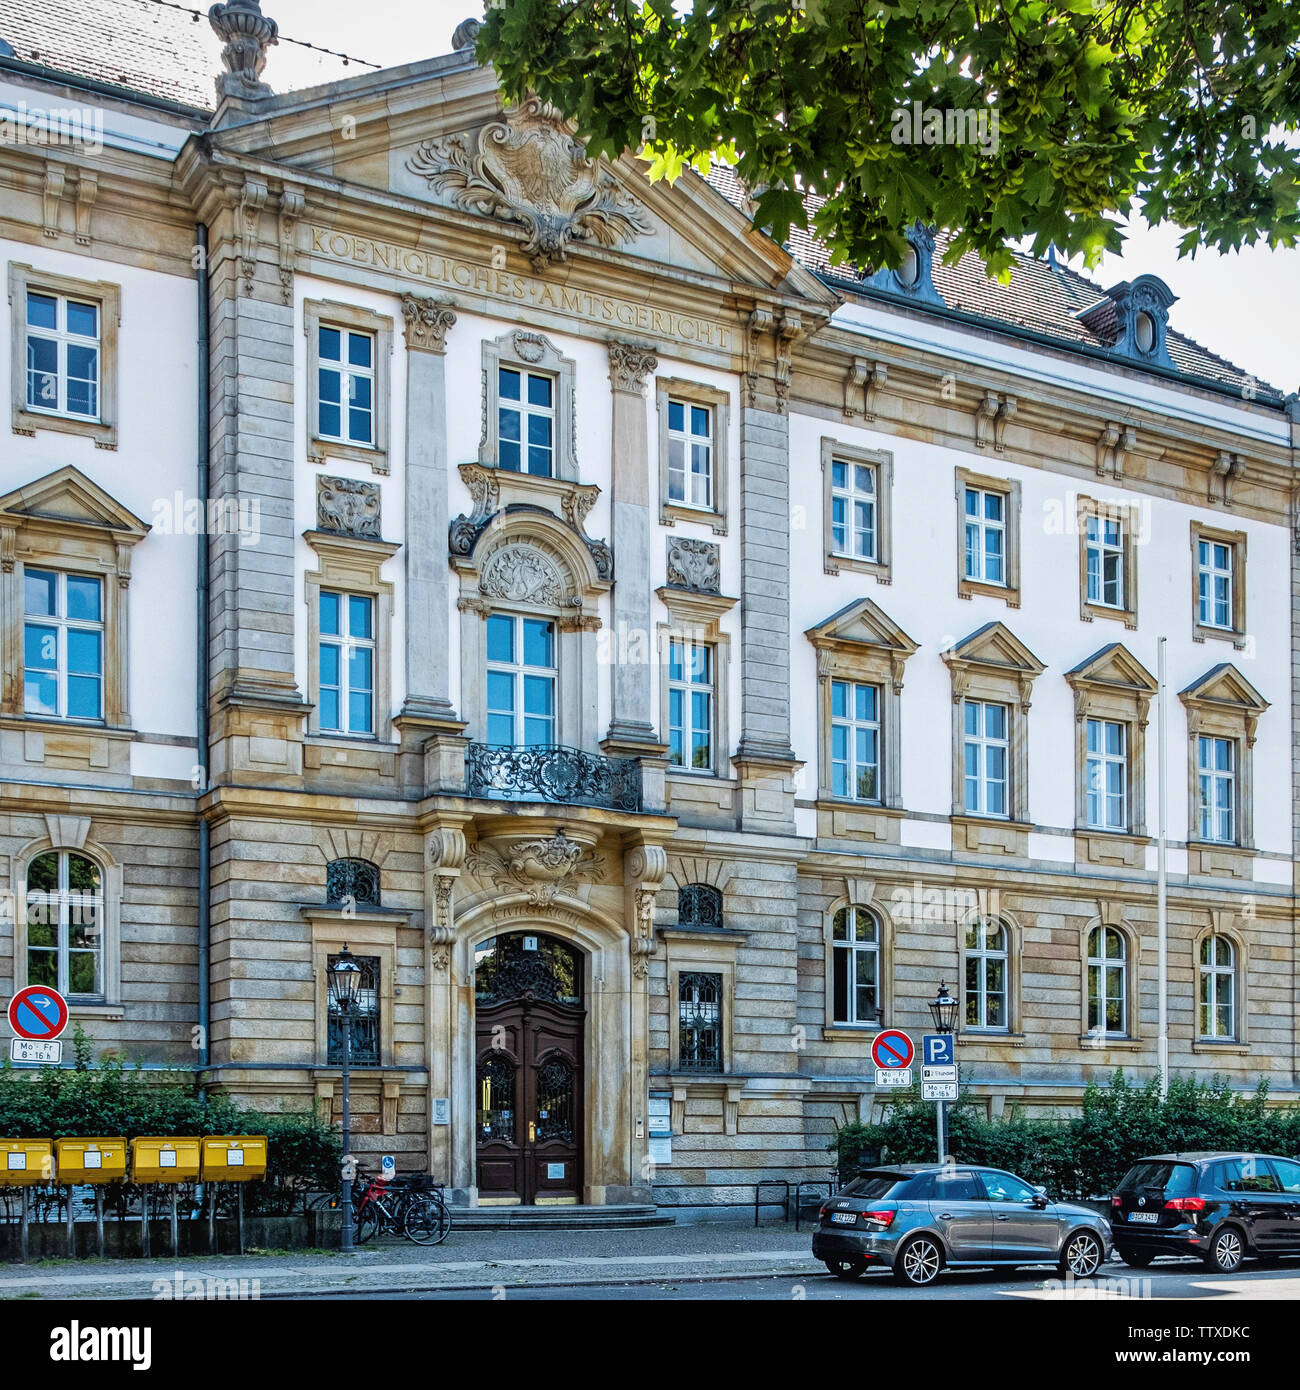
[99, 1219]
[71, 1230]
[24, 1224]
[212, 1218]
[239, 1213]
[940, 1107]
[144, 1223]
[176, 1247]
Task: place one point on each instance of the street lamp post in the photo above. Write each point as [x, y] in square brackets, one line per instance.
[344, 987]
[943, 1009]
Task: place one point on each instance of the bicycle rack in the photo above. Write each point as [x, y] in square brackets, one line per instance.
[771, 1201]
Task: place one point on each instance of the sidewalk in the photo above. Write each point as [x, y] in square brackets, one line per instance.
[465, 1260]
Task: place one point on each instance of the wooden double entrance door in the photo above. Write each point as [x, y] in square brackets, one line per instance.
[529, 1100]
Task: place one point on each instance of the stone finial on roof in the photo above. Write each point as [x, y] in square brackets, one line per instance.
[246, 33]
[465, 34]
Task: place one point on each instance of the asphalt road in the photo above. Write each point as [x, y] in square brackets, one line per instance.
[1163, 1280]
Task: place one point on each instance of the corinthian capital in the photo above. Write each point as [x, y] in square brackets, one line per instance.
[630, 365]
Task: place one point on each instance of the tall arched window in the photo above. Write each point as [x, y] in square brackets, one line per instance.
[352, 879]
[855, 984]
[1107, 981]
[65, 929]
[987, 975]
[699, 905]
[1218, 994]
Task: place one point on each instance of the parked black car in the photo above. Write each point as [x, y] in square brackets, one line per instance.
[917, 1218]
[1222, 1207]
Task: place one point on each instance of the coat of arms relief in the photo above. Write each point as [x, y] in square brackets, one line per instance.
[529, 169]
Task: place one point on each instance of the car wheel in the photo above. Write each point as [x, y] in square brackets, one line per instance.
[1081, 1255]
[1139, 1259]
[1226, 1252]
[846, 1269]
[918, 1263]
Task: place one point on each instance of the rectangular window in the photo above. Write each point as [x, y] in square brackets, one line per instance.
[364, 1042]
[346, 385]
[690, 705]
[690, 454]
[986, 747]
[526, 422]
[63, 354]
[347, 663]
[1105, 542]
[521, 676]
[1107, 774]
[1214, 584]
[63, 645]
[699, 1013]
[855, 740]
[853, 510]
[986, 536]
[1216, 776]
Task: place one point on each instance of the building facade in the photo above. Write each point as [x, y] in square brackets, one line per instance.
[660, 659]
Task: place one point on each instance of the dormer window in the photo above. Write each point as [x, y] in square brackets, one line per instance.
[912, 276]
[1132, 318]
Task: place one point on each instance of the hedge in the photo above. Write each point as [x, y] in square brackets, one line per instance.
[1082, 1155]
[109, 1098]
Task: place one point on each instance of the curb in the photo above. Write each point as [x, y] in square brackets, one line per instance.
[577, 1282]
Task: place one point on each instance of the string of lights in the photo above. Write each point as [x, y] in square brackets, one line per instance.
[298, 43]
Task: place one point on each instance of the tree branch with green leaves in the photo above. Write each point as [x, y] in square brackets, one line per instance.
[1094, 112]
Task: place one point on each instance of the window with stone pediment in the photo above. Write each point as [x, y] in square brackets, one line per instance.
[529, 407]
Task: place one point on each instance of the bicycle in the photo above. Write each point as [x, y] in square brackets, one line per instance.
[412, 1206]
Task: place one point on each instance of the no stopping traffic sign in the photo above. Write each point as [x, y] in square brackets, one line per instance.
[38, 1013]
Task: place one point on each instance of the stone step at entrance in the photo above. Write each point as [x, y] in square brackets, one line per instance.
[615, 1217]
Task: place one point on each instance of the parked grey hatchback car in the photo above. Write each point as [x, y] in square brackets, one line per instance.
[915, 1219]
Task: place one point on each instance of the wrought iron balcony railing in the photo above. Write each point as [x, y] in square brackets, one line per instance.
[552, 772]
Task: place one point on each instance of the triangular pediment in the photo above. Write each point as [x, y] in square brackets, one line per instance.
[67, 497]
[434, 137]
[995, 646]
[863, 623]
[1224, 686]
[1114, 665]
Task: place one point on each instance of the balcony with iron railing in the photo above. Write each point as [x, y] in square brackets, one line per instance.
[554, 773]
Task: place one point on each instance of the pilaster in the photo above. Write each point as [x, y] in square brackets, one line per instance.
[764, 757]
[428, 577]
[631, 730]
[257, 703]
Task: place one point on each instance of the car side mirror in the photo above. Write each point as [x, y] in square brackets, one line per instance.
[1040, 1197]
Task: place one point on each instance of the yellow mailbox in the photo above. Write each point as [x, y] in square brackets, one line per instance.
[91, 1160]
[234, 1158]
[164, 1160]
[25, 1161]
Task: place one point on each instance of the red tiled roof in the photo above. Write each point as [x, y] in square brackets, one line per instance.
[1040, 297]
[154, 47]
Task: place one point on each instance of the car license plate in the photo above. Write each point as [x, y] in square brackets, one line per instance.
[844, 1218]
[1149, 1216]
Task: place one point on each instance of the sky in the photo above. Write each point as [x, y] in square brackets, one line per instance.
[1244, 306]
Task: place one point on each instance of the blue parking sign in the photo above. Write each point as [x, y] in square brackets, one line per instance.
[938, 1049]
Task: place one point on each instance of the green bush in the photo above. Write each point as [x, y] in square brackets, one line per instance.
[108, 1098]
[1082, 1155]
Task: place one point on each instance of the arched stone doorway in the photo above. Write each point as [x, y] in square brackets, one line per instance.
[612, 1075]
[530, 1021]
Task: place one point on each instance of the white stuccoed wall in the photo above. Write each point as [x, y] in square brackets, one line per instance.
[156, 455]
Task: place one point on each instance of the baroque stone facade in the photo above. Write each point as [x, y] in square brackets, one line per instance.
[725, 675]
